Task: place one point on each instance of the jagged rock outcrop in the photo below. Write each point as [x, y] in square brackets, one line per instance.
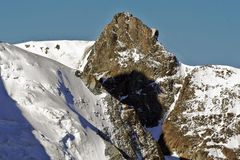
[125, 61]
[126, 44]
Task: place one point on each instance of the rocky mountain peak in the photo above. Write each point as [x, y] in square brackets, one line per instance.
[127, 44]
[126, 32]
[125, 61]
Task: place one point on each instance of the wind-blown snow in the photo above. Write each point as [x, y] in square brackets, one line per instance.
[46, 111]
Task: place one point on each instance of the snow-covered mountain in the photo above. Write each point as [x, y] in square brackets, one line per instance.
[123, 96]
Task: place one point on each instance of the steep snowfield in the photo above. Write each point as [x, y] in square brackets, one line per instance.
[73, 53]
[46, 111]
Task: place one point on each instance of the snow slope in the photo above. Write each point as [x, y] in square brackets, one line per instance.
[46, 111]
[73, 53]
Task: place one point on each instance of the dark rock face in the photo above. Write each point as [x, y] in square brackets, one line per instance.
[129, 135]
[136, 90]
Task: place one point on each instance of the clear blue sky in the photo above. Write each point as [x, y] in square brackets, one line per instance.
[197, 32]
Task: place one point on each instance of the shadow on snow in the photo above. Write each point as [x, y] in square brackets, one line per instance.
[16, 132]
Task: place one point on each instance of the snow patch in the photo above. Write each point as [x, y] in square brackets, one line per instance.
[129, 55]
[233, 142]
[215, 153]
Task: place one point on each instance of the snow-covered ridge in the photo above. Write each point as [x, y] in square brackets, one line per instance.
[71, 53]
[46, 111]
[210, 110]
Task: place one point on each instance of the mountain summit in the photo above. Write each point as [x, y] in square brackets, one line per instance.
[127, 44]
[123, 96]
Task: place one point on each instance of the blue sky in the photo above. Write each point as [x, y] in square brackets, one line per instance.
[197, 32]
